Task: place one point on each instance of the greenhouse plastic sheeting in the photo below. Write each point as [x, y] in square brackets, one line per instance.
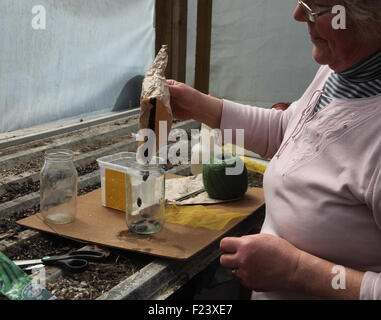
[65, 59]
[259, 53]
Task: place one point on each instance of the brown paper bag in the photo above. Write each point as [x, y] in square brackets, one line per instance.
[155, 101]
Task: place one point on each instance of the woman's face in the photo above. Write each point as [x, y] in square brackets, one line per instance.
[338, 48]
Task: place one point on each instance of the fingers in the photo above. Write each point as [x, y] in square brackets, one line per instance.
[229, 244]
[171, 82]
[175, 87]
[229, 261]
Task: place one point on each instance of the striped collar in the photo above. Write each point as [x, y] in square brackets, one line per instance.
[361, 81]
[368, 70]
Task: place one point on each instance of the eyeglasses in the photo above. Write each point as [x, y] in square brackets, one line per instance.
[312, 14]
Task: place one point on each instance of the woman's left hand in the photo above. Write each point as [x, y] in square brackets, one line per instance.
[262, 262]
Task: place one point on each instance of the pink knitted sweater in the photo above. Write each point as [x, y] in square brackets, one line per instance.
[323, 184]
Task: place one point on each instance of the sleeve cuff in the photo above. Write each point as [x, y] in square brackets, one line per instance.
[371, 286]
[229, 119]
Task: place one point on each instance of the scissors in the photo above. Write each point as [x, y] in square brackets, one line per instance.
[75, 262]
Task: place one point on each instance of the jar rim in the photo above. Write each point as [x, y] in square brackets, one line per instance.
[154, 165]
[59, 155]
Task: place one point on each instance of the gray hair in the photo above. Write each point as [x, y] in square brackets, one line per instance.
[366, 17]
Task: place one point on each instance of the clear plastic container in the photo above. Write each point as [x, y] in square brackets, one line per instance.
[58, 187]
[136, 188]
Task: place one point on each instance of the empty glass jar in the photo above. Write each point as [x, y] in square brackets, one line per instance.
[58, 187]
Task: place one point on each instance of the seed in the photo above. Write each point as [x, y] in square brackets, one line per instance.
[145, 175]
[139, 202]
[153, 221]
[141, 228]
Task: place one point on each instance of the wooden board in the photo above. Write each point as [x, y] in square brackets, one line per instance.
[104, 226]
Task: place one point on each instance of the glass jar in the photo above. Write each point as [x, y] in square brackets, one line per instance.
[145, 192]
[58, 187]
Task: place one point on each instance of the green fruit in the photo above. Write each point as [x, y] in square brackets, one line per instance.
[218, 183]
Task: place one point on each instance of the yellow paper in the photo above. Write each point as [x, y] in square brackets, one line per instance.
[254, 166]
[115, 189]
[251, 165]
[199, 216]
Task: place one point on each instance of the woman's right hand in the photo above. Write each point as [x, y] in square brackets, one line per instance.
[188, 103]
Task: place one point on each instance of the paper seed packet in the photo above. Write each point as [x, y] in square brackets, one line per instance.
[17, 285]
[155, 101]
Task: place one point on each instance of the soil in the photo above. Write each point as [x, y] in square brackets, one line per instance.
[9, 226]
[69, 135]
[90, 284]
[100, 277]
[36, 161]
[14, 191]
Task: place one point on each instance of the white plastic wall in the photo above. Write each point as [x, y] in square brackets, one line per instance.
[92, 54]
[84, 62]
[259, 54]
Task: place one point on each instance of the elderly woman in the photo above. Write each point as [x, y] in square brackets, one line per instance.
[321, 237]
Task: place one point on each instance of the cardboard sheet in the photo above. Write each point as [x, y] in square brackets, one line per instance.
[104, 226]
